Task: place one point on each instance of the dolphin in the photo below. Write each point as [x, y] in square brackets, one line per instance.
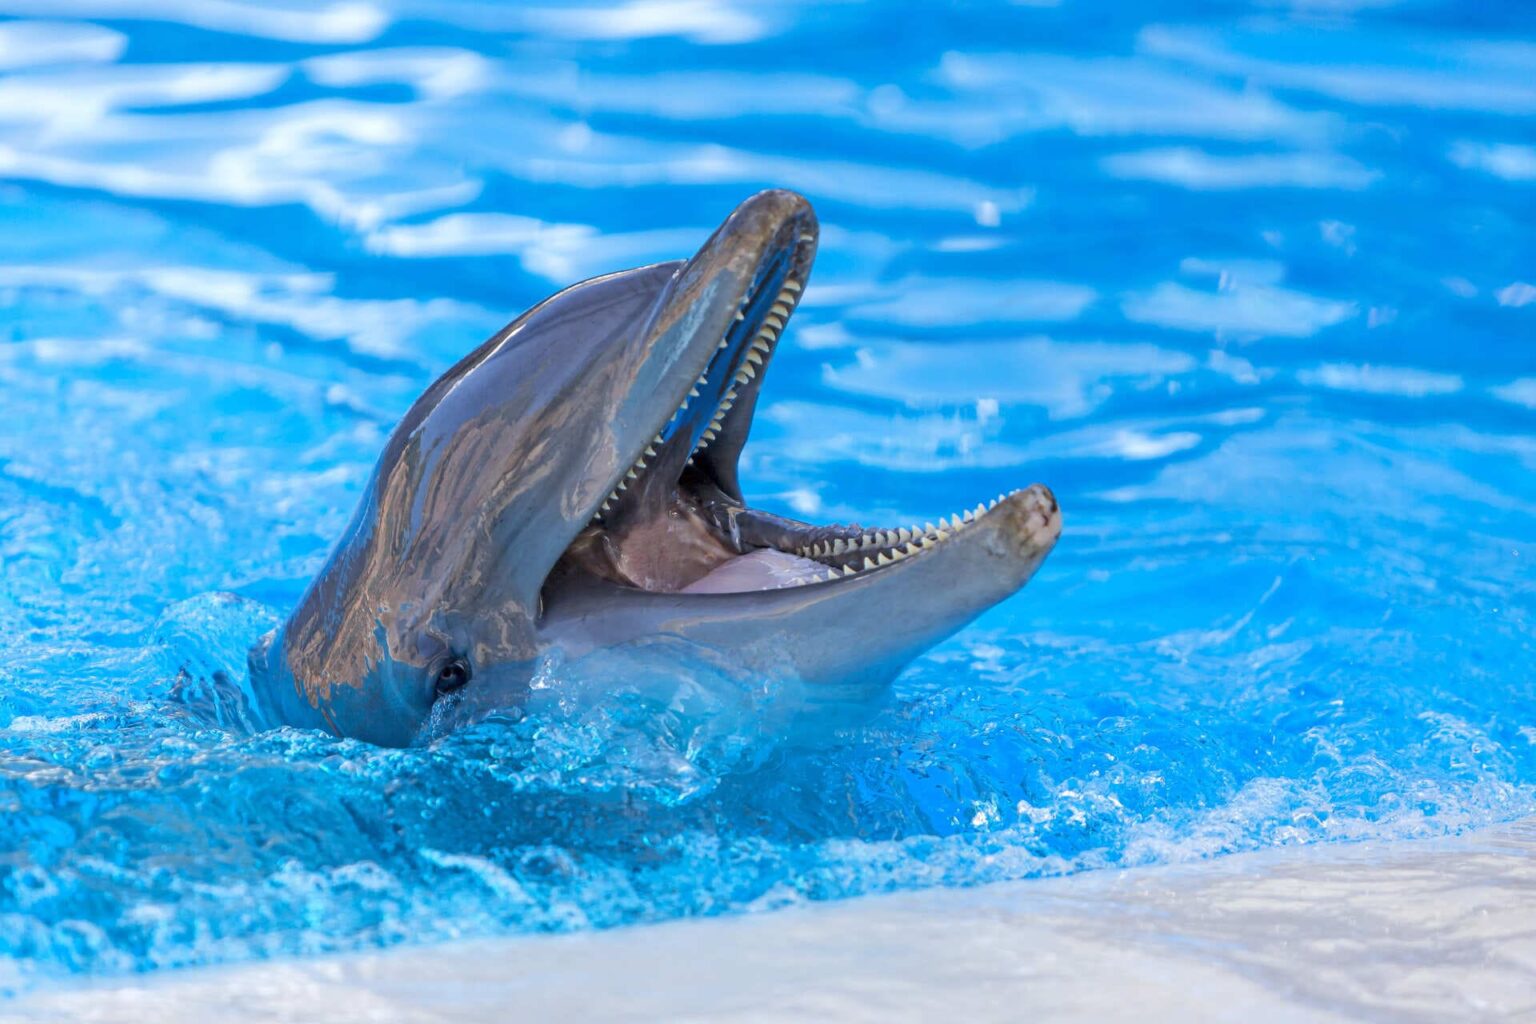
[572, 485]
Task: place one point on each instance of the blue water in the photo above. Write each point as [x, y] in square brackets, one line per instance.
[1252, 287]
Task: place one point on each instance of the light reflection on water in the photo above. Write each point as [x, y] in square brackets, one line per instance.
[1255, 295]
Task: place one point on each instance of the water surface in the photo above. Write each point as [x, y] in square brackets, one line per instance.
[1252, 287]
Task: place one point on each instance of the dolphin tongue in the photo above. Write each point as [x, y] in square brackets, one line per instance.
[764, 569]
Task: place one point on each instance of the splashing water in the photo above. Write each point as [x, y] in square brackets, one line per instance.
[1253, 295]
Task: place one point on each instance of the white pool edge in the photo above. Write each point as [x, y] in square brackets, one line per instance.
[1432, 930]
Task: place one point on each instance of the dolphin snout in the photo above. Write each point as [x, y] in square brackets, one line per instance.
[1031, 522]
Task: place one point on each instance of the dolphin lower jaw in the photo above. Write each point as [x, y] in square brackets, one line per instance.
[859, 630]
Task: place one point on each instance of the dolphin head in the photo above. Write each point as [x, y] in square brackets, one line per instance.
[574, 482]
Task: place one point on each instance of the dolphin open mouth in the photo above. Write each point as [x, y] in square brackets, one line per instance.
[676, 522]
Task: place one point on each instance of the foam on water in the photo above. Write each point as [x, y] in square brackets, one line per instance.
[1255, 295]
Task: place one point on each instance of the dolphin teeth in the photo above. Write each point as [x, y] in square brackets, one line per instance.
[831, 575]
[928, 528]
[709, 435]
[741, 315]
[883, 559]
[943, 535]
[869, 563]
[910, 549]
[838, 546]
[849, 570]
[969, 516]
[650, 451]
[761, 345]
[897, 556]
[903, 534]
[780, 309]
[631, 474]
[776, 322]
[725, 342]
[955, 523]
[790, 284]
[693, 392]
[754, 357]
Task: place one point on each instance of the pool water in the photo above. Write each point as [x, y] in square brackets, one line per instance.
[1252, 287]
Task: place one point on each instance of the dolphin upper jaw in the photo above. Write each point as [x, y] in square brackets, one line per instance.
[597, 432]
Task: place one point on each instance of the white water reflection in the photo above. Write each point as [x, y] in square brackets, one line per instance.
[28, 44]
[1065, 380]
[1516, 294]
[1503, 160]
[302, 302]
[561, 253]
[1520, 392]
[935, 302]
[76, 103]
[699, 21]
[348, 21]
[1377, 70]
[1381, 380]
[813, 433]
[995, 95]
[1196, 169]
[1254, 310]
[435, 73]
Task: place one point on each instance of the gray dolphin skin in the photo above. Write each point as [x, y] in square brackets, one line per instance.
[571, 486]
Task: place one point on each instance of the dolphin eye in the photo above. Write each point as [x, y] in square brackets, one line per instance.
[453, 675]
